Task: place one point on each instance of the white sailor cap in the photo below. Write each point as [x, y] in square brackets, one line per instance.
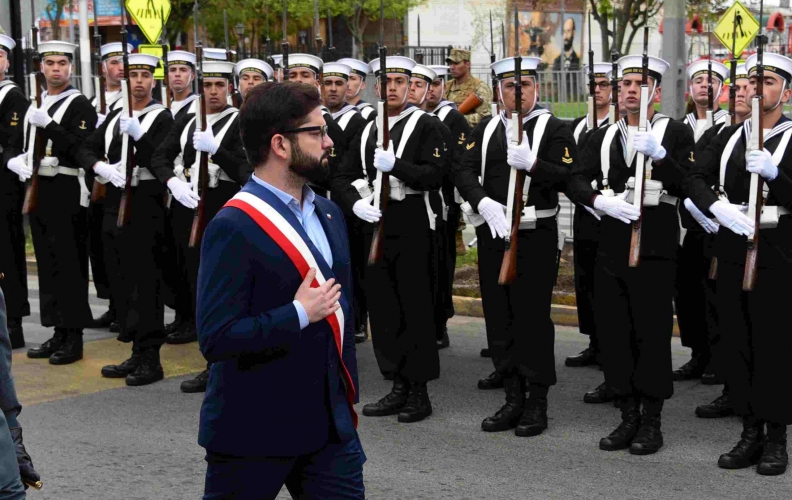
[424, 73]
[741, 72]
[441, 71]
[609, 74]
[394, 64]
[255, 65]
[181, 57]
[277, 60]
[775, 63]
[305, 61]
[701, 67]
[601, 69]
[7, 43]
[216, 54]
[337, 69]
[56, 48]
[357, 66]
[114, 49]
[217, 69]
[630, 65]
[505, 67]
[147, 62]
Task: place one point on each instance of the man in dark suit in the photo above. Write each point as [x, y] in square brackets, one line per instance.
[274, 313]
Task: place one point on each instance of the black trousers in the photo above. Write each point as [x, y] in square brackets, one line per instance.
[359, 246]
[101, 279]
[635, 304]
[13, 267]
[60, 237]
[584, 255]
[695, 298]
[520, 332]
[450, 229]
[757, 343]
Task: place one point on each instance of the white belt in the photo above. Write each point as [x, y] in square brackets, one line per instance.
[409, 190]
[667, 198]
[544, 214]
[145, 175]
[53, 171]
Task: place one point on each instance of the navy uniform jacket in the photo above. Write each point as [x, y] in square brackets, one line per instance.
[273, 389]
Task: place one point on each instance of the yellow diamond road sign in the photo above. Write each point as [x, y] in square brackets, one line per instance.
[148, 14]
[747, 28]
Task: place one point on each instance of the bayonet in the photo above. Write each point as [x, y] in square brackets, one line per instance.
[591, 123]
[285, 48]
[382, 182]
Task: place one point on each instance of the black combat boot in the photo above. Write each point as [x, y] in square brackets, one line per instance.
[115, 327]
[49, 347]
[125, 368]
[598, 395]
[508, 416]
[198, 384]
[149, 370]
[534, 418]
[485, 353]
[749, 447]
[183, 335]
[443, 341]
[623, 435]
[71, 350]
[774, 457]
[418, 406]
[15, 333]
[693, 369]
[586, 357]
[493, 381]
[393, 402]
[177, 323]
[719, 408]
[361, 333]
[105, 320]
[649, 438]
[27, 473]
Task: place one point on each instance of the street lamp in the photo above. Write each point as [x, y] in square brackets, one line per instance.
[239, 29]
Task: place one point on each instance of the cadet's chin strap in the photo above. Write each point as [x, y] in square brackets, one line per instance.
[781, 95]
[652, 94]
[386, 97]
[426, 92]
[359, 87]
[716, 97]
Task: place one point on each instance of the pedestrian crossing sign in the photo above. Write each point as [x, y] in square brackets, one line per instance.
[739, 20]
[154, 50]
[150, 16]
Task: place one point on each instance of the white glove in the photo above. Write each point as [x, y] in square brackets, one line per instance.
[384, 160]
[183, 193]
[731, 217]
[761, 162]
[110, 172]
[100, 119]
[19, 166]
[205, 141]
[520, 156]
[365, 211]
[648, 145]
[40, 118]
[616, 207]
[131, 127]
[708, 224]
[492, 211]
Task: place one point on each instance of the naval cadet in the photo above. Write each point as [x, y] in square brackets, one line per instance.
[357, 84]
[252, 72]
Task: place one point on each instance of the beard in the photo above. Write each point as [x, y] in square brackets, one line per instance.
[310, 168]
[568, 44]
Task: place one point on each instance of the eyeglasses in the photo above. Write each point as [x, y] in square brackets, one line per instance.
[603, 85]
[318, 128]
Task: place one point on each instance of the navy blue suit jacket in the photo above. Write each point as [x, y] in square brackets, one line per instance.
[273, 390]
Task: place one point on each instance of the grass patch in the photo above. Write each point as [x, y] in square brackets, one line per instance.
[29, 245]
[469, 259]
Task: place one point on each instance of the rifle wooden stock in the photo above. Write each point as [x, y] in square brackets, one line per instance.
[199, 215]
[470, 104]
[98, 191]
[30, 204]
[713, 270]
[377, 250]
[755, 143]
[508, 271]
[640, 159]
[125, 205]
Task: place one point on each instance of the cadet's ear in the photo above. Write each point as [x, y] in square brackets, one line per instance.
[658, 94]
[786, 94]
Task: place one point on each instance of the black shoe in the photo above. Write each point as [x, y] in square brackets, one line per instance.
[586, 357]
[27, 473]
[418, 406]
[198, 384]
[115, 327]
[176, 325]
[124, 335]
[49, 347]
[534, 418]
[485, 353]
[361, 334]
[691, 370]
[600, 394]
[774, 459]
[622, 437]
[649, 438]
[719, 408]
[105, 320]
[183, 335]
[71, 351]
[15, 333]
[508, 416]
[493, 381]
[149, 370]
[709, 378]
[125, 368]
[444, 342]
[392, 403]
[748, 450]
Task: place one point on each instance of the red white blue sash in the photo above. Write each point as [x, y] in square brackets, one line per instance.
[287, 238]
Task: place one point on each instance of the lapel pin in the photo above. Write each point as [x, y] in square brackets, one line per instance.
[329, 216]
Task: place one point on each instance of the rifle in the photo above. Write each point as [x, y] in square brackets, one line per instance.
[166, 95]
[591, 123]
[127, 153]
[494, 103]
[640, 160]
[199, 217]
[383, 141]
[331, 48]
[419, 57]
[613, 117]
[35, 149]
[755, 143]
[99, 190]
[236, 99]
[317, 37]
[285, 49]
[508, 270]
[709, 115]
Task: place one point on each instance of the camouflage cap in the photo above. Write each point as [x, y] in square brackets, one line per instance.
[458, 55]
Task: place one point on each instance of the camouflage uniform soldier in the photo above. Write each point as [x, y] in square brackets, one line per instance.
[464, 84]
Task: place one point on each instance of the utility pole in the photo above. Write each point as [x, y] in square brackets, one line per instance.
[85, 49]
[673, 100]
[16, 33]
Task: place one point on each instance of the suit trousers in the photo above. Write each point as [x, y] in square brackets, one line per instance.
[11, 487]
